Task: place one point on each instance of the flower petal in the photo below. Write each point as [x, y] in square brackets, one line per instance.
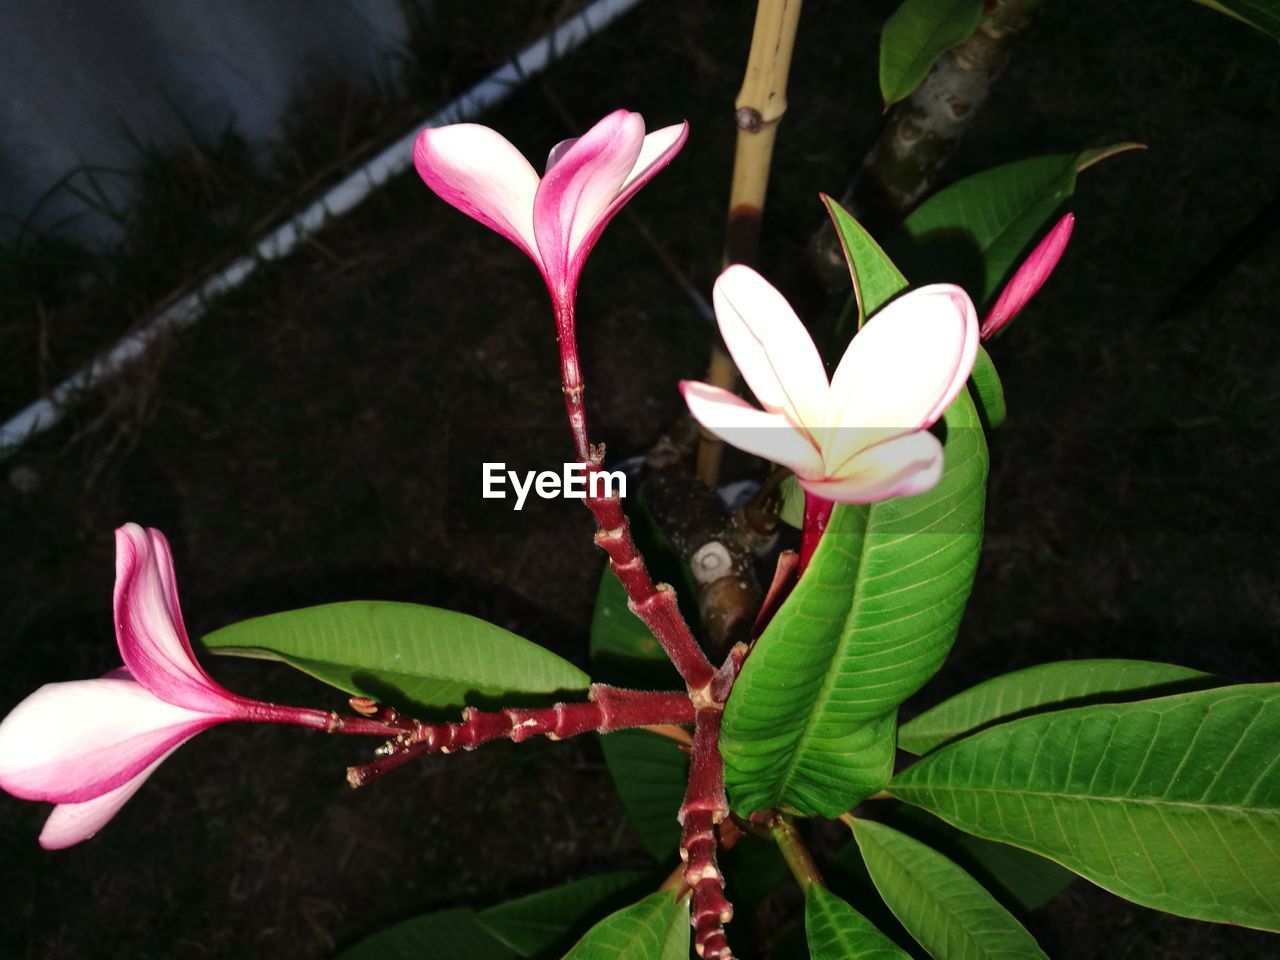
[478, 171]
[1029, 277]
[71, 742]
[771, 347]
[558, 151]
[903, 368]
[901, 467]
[656, 152]
[578, 188]
[70, 823]
[149, 629]
[737, 423]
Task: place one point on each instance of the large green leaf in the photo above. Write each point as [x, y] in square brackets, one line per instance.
[917, 33]
[401, 653]
[1173, 803]
[973, 231]
[533, 925]
[1019, 879]
[650, 773]
[809, 725]
[836, 931]
[1049, 686]
[876, 280]
[946, 910]
[656, 928]
[446, 935]
[1262, 15]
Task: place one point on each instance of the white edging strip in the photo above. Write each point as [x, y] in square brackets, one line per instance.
[339, 199]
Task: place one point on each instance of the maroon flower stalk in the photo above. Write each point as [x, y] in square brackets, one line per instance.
[607, 709]
[654, 604]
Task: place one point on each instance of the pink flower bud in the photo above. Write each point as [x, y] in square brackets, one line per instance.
[1029, 277]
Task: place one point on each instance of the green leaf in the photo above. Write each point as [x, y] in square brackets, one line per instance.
[1173, 803]
[876, 280]
[1049, 686]
[1019, 879]
[402, 653]
[975, 230]
[809, 725]
[656, 928]
[650, 773]
[988, 390]
[535, 924]
[917, 33]
[836, 931]
[946, 910]
[1262, 15]
[615, 630]
[446, 935]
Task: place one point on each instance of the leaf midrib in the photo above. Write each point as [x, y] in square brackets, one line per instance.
[1098, 798]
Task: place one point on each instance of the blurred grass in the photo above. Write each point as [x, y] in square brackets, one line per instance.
[294, 446]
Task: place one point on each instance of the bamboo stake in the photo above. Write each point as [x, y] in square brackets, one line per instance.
[760, 105]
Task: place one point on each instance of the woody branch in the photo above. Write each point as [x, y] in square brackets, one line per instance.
[704, 808]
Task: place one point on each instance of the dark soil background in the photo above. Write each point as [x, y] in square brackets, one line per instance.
[295, 447]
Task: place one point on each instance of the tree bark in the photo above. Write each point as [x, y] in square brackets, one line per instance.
[922, 132]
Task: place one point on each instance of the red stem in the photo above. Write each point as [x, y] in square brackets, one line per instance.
[817, 511]
[608, 709]
[654, 604]
[326, 720]
[571, 376]
[704, 807]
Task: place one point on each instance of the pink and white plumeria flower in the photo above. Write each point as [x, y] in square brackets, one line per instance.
[556, 218]
[862, 436]
[1029, 277]
[88, 745]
